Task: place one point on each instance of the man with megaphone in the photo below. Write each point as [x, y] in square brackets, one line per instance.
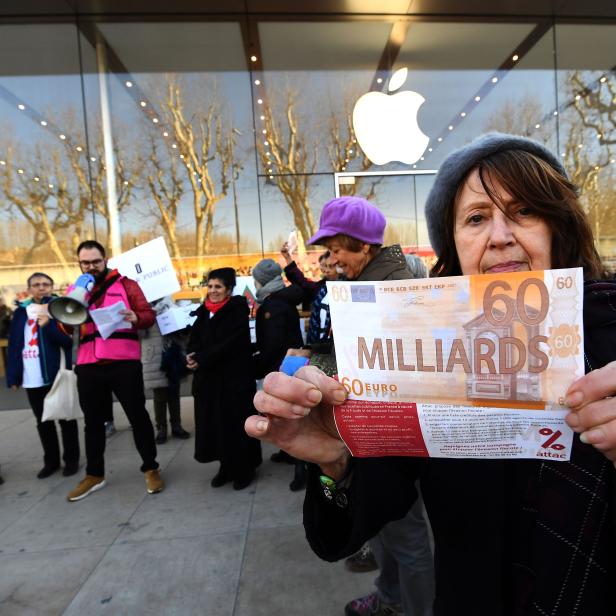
[110, 363]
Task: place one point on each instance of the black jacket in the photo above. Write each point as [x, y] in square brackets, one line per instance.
[512, 537]
[277, 329]
[223, 387]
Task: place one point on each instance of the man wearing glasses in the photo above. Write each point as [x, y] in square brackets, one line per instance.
[35, 345]
[112, 365]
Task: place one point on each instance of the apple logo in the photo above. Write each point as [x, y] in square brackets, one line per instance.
[386, 125]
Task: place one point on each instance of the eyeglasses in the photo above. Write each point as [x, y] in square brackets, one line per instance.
[93, 263]
[41, 284]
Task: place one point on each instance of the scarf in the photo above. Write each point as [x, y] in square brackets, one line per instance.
[276, 284]
[215, 307]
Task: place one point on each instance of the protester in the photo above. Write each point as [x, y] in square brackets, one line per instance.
[112, 365]
[278, 330]
[220, 353]
[353, 230]
[511, 536]
[315, 292]
[34, 355]
[319, 326]
[164, 364]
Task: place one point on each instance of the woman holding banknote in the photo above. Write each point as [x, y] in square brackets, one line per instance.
[512, 537]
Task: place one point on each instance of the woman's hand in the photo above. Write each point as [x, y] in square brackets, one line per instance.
[298, 417]
[593, 409]
[284, 251]
[191, 364]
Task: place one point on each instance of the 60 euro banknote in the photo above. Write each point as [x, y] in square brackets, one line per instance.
[464, 366]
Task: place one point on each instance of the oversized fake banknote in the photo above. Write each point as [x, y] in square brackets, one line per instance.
[464, 366]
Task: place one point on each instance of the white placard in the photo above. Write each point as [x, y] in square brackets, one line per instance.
[150, 266]
[176, 318]
[37, 310]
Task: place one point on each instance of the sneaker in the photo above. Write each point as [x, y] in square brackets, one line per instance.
[110, 429]
[371, 605]
[47, 471]
[362, 561]
[179, 432]
[85, 487]
[153, 482]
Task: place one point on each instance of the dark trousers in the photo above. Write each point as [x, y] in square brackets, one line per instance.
[49, 436]
[167, 397]
[95, 382]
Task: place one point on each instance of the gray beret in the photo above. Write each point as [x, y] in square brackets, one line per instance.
[458, 164]
[266, 270]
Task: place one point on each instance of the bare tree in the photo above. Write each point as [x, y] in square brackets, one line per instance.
[39, 201]
[587, 125]
[167, 189]
[288, 156]
[205, 147]
[343, 149]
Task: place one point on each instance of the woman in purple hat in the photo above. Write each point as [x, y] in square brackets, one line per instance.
[353, 231]
[512, 537]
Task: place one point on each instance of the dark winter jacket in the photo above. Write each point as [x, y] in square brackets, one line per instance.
[310, 287]
[388, 264]
[223, 387]
[51, 340]
[512, 537]
[277, 329]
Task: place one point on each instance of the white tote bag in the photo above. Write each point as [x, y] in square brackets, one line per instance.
[62, 401]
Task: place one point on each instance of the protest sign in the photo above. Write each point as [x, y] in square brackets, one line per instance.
[149, 265]
[176, 318]
[465, 366]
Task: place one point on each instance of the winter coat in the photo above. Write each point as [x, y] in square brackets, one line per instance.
[151, 355]
[512, 537]
[277, 329]
[163, 358]
[388, 264]
[51, 340]
[223, 387]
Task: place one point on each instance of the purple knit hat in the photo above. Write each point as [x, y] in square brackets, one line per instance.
[351, 216]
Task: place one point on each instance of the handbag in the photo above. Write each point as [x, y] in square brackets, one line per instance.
[62, 401]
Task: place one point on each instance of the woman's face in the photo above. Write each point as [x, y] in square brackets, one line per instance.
[216, 290]
[350, 263]
[489, 242]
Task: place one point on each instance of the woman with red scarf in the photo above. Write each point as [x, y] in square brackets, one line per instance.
[220, 354]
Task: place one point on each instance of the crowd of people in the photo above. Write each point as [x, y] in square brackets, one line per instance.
[511, 537]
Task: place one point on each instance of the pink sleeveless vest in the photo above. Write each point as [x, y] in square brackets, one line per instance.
[122, 344]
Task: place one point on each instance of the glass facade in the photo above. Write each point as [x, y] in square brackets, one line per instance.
[224, 134]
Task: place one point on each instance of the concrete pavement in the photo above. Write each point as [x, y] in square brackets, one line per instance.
[191, 549]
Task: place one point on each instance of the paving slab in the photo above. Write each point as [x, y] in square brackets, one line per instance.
[189, 506]
[180, 577]
[44, 583]
[190, 550]
[281, 575]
